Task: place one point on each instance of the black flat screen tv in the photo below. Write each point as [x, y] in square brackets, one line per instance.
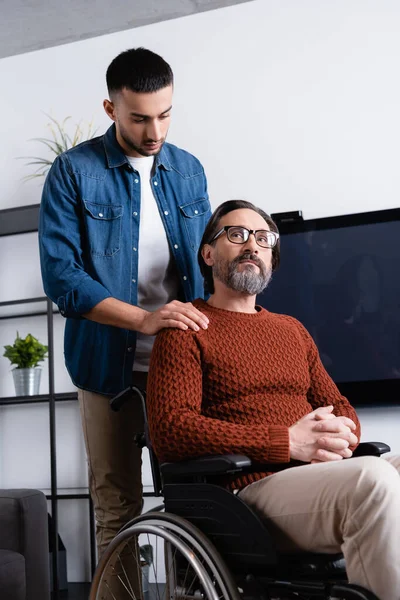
[340, 276]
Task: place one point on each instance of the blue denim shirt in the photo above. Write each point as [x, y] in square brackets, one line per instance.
[89, 239]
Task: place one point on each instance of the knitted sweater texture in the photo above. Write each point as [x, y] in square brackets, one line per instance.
[236, 388]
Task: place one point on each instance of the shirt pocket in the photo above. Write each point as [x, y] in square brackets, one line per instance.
[104, 226]
[195, 216]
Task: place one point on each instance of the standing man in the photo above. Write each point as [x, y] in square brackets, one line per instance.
[122, 216]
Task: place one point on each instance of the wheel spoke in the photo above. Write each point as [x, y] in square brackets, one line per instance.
[127, 579]
[193, 568]
[110, 590]
[154, 564]
[119, 578]
[136, 559]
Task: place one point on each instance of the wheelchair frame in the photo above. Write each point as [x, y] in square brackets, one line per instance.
[238, 544]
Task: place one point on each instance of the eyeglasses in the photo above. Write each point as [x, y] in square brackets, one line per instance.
[240, 235]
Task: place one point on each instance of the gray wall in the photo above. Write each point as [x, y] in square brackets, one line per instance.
[35, 24]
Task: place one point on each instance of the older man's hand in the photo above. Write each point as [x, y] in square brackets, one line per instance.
[320, 436]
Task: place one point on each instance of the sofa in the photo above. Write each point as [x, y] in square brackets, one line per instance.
[24, 546]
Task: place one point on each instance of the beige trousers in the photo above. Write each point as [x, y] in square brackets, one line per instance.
[351, 506]
[114, 461]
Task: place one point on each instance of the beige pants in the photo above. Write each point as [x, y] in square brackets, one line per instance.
[351, 506]
[114, 460]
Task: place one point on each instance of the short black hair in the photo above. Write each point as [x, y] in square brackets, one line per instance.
[139, 70]
[213, 227]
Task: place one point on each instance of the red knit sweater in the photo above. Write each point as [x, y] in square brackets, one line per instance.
[236, 387]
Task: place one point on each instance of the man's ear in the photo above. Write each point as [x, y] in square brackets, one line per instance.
[207, 253]
[109, 107]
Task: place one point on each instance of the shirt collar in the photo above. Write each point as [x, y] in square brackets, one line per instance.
[162, 159]
[116, 157]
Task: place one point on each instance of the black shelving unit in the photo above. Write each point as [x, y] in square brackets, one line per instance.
[13, 222]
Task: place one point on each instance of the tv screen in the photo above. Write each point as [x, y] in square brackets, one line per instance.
[340, 276]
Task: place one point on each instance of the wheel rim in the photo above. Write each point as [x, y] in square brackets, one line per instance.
[202, 552]
[180, 570]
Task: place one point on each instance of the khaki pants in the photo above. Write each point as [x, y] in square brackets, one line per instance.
[114, 460]
[351, 506]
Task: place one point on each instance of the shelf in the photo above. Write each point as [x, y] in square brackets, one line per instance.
[7, 308]
[13, 221]
[24, 301]
[41, 313]
[22, 219]
[77, 493]
[67, 493]
[67, 396]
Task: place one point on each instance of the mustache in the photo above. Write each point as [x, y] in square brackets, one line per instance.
[248, 256]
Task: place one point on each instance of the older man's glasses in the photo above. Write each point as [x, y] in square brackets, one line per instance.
[240, 235]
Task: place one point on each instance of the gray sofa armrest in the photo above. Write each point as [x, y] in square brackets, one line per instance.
[24, 529]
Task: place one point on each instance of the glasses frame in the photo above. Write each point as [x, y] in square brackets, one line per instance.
[250, 231]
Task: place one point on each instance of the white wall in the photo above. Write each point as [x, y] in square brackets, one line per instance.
[292, 105]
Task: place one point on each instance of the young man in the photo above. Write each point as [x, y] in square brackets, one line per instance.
[121, 219]
[253, 384]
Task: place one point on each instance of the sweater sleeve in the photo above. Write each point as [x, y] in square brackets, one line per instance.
[178, 429]
[323, 391]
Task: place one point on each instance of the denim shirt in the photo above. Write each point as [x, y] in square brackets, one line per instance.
[89, 239]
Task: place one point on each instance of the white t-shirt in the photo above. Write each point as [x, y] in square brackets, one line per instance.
[158, 281]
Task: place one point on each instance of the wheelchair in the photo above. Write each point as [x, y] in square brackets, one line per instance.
[205, 543]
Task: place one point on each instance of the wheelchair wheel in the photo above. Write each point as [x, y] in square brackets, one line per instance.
[162, 557]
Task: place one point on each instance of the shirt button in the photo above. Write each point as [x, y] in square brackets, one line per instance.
[176, 246]
[196, 212]
[130, 349]
[101, 215]
[155, 183]
[62, 312]
[166, 212]
[133, 280]
[135, 214]
[136, 180]
[134, 249]
[184, 278]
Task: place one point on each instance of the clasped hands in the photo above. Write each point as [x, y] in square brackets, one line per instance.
[321, 436]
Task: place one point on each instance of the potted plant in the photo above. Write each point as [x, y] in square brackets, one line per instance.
[59, 141]
[26, 353]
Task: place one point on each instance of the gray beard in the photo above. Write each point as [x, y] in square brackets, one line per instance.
[248, 281]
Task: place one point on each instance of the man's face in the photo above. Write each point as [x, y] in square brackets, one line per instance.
[141, 120]
[245, 268]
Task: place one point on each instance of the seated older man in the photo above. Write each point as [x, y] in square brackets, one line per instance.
[253, 383]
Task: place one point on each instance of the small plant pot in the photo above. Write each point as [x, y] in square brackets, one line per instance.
[27, 381]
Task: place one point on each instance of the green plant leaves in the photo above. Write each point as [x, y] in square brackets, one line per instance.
[59, 142]
[26, 352]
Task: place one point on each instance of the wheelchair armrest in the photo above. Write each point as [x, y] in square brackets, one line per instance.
[206, 465]
[371, 449]
[233, 463]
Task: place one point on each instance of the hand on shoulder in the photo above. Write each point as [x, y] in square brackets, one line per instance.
[175, 314]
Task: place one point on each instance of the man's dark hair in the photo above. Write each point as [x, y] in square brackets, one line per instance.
[213, 227]
[139, 70]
